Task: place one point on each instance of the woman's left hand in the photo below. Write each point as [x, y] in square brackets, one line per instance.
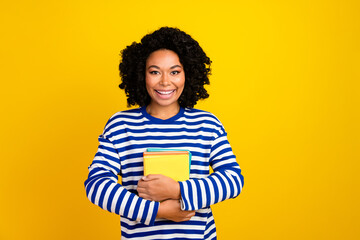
[157, 187]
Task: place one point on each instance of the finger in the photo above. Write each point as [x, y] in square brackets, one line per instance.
[183, 219]
[188, 213]
[191, 214]
[142, 184]
[141, 189]
[139, 183]
[150, 177]
[188, 218]
[145, 196]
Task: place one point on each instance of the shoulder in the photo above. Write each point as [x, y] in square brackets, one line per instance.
[130, 113]
[206, 119]
[201, 114]
[123, 117]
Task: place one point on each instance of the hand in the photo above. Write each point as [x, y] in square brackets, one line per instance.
[171, 210]
[157, 187]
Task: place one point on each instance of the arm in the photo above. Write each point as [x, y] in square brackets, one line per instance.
[171, 209]
[226, 181]
[103, 190]
[158, 187]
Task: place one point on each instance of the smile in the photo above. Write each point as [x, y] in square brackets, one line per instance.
[165, 92]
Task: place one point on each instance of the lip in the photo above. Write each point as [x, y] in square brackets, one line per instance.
[165, 94]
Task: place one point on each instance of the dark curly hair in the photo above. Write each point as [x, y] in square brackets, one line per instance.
[194, 60]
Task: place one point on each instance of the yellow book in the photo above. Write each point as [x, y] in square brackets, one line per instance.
[174, 164]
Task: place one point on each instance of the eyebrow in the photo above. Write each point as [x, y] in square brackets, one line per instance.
[154, 66]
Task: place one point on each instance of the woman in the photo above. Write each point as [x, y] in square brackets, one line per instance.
[165, 75]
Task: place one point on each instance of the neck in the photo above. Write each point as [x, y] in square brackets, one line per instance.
[163, 112]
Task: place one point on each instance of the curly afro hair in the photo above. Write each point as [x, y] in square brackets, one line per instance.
[194, 60]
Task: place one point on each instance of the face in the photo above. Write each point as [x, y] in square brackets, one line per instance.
[165, 78]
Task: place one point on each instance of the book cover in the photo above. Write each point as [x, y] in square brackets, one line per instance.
[174, 164]
[170, 150]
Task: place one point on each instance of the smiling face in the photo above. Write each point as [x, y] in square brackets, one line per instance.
[165, 79]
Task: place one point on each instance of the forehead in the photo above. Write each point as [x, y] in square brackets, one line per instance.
[163, 57]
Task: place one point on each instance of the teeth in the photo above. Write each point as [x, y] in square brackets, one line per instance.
[165, 92]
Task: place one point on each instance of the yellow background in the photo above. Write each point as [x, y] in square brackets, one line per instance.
[285, 84]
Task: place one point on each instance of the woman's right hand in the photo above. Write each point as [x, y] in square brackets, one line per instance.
[171, 210]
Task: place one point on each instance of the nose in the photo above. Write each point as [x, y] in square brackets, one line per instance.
[165, 80]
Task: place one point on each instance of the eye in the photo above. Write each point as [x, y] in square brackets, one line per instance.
[175, 72]
[154, 72]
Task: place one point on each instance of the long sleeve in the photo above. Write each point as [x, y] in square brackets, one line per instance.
[103, 189]
[225, 182]
[126, 137]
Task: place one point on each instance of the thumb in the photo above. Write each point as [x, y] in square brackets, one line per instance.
[149, 177]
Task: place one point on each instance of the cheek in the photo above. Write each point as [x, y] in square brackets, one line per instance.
[149, 81]
[182, 82]
[148, 84]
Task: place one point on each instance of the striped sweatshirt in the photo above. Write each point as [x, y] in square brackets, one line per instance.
[127, 135]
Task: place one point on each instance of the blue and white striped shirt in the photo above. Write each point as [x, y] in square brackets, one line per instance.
[127, 135]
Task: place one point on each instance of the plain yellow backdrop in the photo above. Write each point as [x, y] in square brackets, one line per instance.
[285, 84]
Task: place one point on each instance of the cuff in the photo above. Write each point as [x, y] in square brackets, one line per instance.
[154, 213]
[185, 206]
